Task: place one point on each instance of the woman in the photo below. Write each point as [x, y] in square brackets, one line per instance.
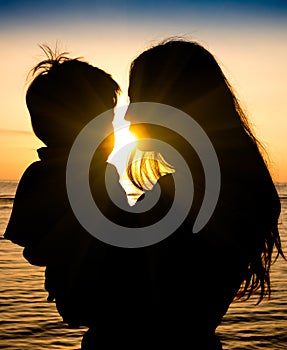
[198, 276]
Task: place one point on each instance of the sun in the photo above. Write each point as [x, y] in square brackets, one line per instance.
[123, 138]
[125, 141]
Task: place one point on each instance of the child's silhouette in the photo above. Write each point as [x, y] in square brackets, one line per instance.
[62, 98]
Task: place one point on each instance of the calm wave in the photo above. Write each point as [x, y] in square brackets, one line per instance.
[28, 321]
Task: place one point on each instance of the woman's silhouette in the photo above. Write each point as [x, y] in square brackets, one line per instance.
[198, 276]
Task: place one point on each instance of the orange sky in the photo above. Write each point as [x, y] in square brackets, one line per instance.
[252, 56]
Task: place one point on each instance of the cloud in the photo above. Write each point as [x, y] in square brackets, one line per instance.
[10, 131]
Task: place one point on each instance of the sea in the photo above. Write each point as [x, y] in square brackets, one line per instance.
[28, 321]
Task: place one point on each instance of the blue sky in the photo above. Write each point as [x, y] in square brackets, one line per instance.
[17, 10]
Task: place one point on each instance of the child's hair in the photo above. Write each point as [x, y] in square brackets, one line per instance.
[65, 95]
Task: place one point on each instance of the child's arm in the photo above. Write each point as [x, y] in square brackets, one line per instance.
[21, 228]
[39, 201]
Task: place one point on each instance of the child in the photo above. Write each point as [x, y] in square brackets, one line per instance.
[63, 97]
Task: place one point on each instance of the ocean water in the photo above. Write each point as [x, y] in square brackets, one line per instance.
[28, 321]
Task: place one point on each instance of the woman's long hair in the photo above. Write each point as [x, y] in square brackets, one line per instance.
[186, 76]
[146, 167]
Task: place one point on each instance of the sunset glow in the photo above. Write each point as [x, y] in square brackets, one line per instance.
[250, 46]
[80, 268]
[125, 141]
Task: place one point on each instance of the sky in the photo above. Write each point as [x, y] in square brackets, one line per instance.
[248, 38]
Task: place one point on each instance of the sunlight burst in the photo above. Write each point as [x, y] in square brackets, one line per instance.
[125, 141]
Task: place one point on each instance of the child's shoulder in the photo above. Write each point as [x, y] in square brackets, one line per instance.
[51, 165]
[46, 175]
[33, 170]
